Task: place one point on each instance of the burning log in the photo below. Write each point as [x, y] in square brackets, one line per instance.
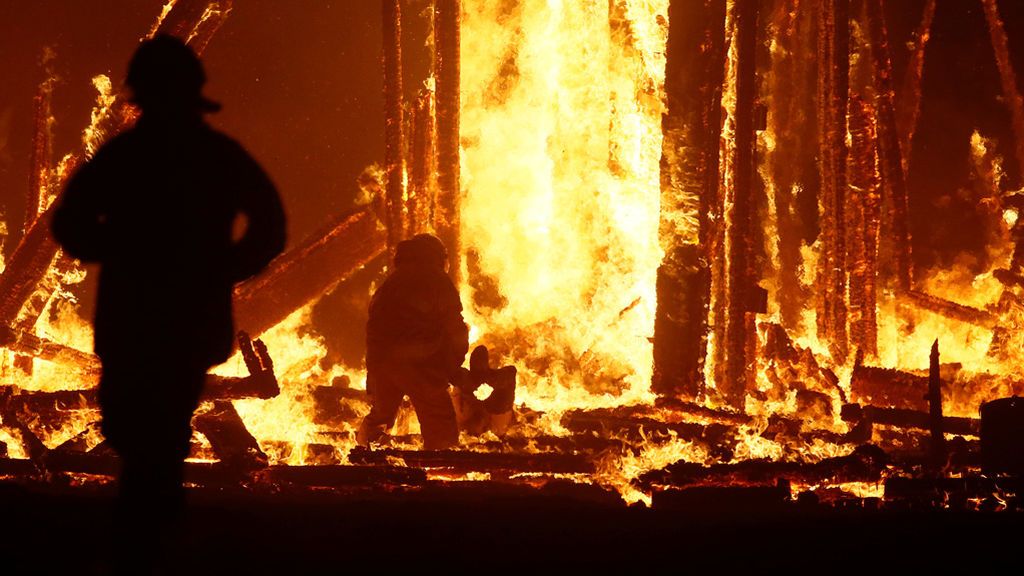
[890, 155]
[833, 93]
[261, 383]
[698, 411]
[741, 278]
[458, 461]
[865, 464]
[1011, 94]
[689, 179]
[394, 161]
[229, 438]
[888, 387]
[42, 142]
[337, 475]
[910, 419]
[634, 427]
[32, 346]
[306, 272]
[909, 106]
[949, 309]
[447, 24]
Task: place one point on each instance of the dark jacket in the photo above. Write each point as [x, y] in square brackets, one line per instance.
[158, 207]
[415, 321]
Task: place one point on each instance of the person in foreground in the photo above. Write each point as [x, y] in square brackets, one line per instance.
[174, 213]
[416, 342]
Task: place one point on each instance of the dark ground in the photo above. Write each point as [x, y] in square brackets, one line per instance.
[487, 528]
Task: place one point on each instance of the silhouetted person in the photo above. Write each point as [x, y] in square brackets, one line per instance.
[174, 213]
[416, 341]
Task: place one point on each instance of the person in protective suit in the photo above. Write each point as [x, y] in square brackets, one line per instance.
[174, 212]
[416, 342]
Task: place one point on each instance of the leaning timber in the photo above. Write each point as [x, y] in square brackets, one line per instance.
[303, 274]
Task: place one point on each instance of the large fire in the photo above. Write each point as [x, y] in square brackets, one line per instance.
[565, 219]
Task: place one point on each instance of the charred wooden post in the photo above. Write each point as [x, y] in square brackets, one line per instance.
[422, 165]
[890, 156]
[447, 23]
[909, 106]
[792, 66]
[741, 281]
[833, 93]
[864, 218]
[1011, 94]
[394, 157]
[689, 180]
[938, 446]
[299, 276]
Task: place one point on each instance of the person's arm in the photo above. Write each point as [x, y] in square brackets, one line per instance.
[260, 206]
[79, 221]
[454, 329]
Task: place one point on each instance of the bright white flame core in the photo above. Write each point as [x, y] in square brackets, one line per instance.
[561, 141]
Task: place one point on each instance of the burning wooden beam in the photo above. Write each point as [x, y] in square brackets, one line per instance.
[792, 123]
[909, 105]
[306, 272]
[864, 464]
[741, 278]
[1011, 94]
[636, 426]
[864, 218]
[447, 24]
[689, 182]
[338, 475]
[890, 155]
[833, 94]
[904, 418]
[422, 164]
[459, 461]
[949, 309]
[394, 157]
[42, 142]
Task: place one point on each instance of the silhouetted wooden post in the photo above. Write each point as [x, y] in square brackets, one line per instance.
[422, 165]
[447, 22]
[894, 188]
[938, 445]
[738, 220]
[863, 217]
[689, 180]
[394, 158]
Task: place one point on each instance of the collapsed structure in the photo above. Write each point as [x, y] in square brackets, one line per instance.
[620, 190]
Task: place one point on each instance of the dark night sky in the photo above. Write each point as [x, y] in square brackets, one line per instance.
[300, 82]
[301, 86]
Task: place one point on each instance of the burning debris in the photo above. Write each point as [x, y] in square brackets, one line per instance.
[624, 196]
